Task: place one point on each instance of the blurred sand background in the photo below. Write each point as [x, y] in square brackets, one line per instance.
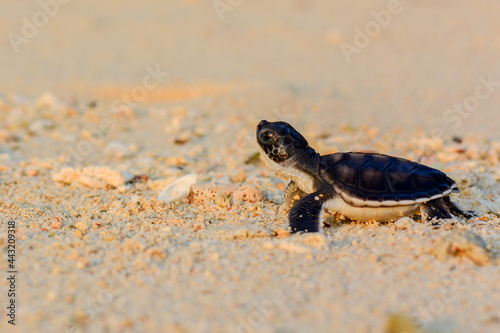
[204, 268]
[428, 58]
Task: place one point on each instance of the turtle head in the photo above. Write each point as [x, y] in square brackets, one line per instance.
[279, 141]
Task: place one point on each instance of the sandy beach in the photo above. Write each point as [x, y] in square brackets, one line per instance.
[103, 105]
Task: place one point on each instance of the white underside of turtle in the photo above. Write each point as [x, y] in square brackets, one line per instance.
[364, 214]
[382, 211]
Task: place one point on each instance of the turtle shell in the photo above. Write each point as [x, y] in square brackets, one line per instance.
[376, 180]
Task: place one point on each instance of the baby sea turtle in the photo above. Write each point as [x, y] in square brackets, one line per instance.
[361, 186]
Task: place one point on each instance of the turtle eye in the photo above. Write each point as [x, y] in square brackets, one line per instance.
[267, 136]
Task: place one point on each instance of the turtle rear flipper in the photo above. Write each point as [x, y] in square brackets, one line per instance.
[435, 209]
[305, 215]
[457, 210]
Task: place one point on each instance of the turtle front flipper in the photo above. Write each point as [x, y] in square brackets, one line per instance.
[292, 194]
[435, 209]
[305, 215]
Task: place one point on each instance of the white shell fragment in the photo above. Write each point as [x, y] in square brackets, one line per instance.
[178, 190]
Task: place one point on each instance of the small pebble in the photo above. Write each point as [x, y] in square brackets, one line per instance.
[67, 176]
[404, 223]
[462, 243]
[248, 193]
